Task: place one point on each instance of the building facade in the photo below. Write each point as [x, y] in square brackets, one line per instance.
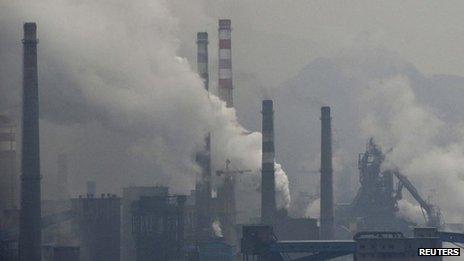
[97, 225]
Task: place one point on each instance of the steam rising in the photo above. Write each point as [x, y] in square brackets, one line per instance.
[129, 110]
[314, 209]
[410, 212]
[217, 230]
[380, 95]
[424, 147]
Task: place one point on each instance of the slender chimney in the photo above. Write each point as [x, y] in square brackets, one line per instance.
[202, 58]
[327, 204]
[203, 187]
[268, 202]
[225, 86]
[30, 241]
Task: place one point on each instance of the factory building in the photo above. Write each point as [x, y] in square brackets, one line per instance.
[203, 209]
[8, 174]
[9, 212]
[261, 243]
[8, 248]
[375, 206]
[158, 227]
[131, 195]
[60, 253]
[289, 228]
[97, 224]
[394, 246]
[190, 220]
[215, 250]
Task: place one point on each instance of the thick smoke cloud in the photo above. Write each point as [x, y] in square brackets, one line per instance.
[115, 95]
[375, 93]
[424, 147]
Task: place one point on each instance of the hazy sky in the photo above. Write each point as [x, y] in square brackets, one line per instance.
[274, 38]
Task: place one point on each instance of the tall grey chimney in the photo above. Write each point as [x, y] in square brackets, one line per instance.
[203, 186]
[268, 201]
[202, 58]
[327, 204]
[30, 214]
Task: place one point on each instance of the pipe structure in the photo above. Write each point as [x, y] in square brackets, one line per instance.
[225, 86]
[268, 201]
[327, 203]
[30, 242]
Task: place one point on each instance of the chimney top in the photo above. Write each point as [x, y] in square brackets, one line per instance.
[267, 105]
[202, 36]
[224, 24]
[30, 33]
[30, 27]
[325, 112]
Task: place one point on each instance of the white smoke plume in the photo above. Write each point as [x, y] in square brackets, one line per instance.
[116, 96]
[314, 209]
[380, 95]
[217, 230]
[428, 151]
[411, 212]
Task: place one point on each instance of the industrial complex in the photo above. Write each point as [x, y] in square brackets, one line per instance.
[151, 223]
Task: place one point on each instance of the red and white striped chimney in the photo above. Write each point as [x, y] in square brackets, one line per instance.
[225, 85]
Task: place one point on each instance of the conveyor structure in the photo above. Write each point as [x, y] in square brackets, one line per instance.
[260, 243]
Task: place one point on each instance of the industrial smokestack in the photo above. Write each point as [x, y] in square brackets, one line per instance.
[30, 216]
[203, 186]
[202, 58]
[327, 204]
[268, 201]
[225, 86]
